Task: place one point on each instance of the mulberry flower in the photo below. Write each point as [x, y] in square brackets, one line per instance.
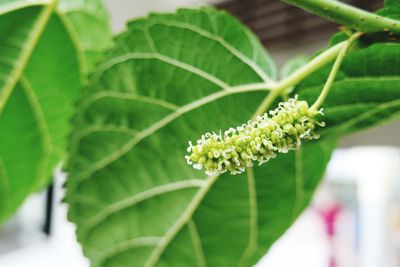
[258, 140]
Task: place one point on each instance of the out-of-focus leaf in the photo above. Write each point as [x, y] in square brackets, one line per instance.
[366, 91]
[90, 20]
[292, 64]
[391, 9]
[40, 78]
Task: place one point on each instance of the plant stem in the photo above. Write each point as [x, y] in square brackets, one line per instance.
[297, 76]
[350, 16]
[334, 71]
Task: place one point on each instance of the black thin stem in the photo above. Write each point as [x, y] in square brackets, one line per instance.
[49, 210]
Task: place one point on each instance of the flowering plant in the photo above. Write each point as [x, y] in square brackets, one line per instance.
[168, 79]
[258, 140]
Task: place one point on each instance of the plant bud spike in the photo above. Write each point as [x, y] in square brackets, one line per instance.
[258, 140]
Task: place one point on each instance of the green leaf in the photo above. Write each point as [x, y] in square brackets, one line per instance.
[292, 65]
[12, 5]
[40, 78]
[133, 197]
[90, 21]
[391, 9]
[366, 91]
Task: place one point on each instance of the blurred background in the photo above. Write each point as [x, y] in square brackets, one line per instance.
[354, 219]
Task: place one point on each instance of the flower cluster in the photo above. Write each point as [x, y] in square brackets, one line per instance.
[258, 140]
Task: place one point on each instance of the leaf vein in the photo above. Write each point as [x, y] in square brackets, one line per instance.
[128, 96]
[85, 174]
[247, 61]
[299, 182]
[348, 124]
[24, 55]
[171, 61]
[253, 217]
[196, 239]
[129, 202]
[43, 128]
[182, 220]
[119, 248]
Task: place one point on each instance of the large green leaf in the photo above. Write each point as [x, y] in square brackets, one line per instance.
[170, 79]
[40, 77]
[133, 197]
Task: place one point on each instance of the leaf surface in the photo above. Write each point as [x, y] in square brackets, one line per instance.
[365, 93]
[391, 9]
[40, 78]
[134, 199]
[170, 79]
[90, 21]
[292, 65]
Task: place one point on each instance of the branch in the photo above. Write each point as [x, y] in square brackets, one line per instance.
[314, 64]
[334, 71]
[350, 16]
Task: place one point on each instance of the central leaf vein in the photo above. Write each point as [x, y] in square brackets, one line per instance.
[128, 146]
[171, 61]
[247, 61]
[107, 211]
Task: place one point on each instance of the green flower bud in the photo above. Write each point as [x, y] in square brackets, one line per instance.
[258, 140]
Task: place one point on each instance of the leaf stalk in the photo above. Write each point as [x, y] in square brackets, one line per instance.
[335, 69]
[344, 14]
[297, 76]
